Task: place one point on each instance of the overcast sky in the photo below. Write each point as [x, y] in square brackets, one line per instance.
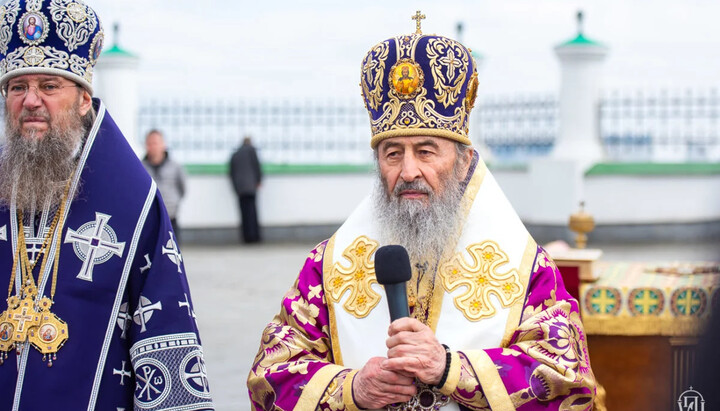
[312, 49]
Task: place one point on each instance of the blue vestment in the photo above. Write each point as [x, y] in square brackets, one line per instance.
[121, 288]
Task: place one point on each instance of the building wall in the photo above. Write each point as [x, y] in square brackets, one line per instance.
[291, 200]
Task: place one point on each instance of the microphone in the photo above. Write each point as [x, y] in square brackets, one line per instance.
[392, 269]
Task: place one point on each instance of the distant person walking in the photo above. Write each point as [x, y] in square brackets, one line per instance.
[246, 176]
[169, 175]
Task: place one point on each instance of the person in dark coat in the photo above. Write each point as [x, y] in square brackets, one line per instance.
[246, 176]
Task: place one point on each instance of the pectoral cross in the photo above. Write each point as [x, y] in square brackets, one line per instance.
[23, 318]
[417, 17]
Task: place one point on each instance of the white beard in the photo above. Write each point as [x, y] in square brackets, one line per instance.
[425, 230]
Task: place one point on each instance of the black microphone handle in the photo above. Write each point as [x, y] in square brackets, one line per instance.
[397, 300]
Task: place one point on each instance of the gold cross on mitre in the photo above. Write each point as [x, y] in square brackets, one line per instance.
[417, 17]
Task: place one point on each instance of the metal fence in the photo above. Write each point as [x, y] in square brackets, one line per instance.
[283, 132]
[660, 126]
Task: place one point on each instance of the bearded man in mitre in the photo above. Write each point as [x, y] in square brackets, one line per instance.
[98, 308]
[490, 323]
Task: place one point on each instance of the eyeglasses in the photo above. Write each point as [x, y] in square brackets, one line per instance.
[46, 89]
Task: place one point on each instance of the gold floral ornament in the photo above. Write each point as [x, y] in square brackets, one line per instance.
[317, 253]
[373, 73]
[406, 79]
[449, 67]
[481, 279]
[357, 278]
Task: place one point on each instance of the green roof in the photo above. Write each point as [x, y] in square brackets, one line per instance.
[115, 50]
[655, 169]
[581, 40]
[287, 168]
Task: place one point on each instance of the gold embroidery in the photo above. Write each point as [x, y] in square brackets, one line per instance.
[481, 279]
[357, 278]
[450, 57]
[305, 313]
[406, 45]
[418, 113]
[373, 71]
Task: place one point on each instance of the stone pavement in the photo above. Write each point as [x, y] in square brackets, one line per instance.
[237, 290]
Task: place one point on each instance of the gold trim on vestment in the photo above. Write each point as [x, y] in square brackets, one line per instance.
[347, 393]
[453, 378]
[490, 381]
[419, 131]
[473, 187]
[525, 271]
[327, 269]
[315, 388]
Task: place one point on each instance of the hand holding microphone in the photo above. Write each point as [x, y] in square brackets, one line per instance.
[413, 349]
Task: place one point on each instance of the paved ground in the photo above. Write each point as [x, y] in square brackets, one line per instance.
[237, 290]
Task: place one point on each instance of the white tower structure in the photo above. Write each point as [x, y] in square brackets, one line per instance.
[116, 79]
[581, 61]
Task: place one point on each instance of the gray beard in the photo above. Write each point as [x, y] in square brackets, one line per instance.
[425, 230]
[35, 171]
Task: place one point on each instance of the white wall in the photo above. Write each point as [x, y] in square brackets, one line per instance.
[283, 200]
[653, 199]
[317, 199]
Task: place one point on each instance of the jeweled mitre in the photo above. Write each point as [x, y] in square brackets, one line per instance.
[419, 84]
[58, 37]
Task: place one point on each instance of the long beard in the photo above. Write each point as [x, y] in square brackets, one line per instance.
[425, 229]
[35, 171]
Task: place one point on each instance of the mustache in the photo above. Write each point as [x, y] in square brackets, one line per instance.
[416, 185]
[25, 113]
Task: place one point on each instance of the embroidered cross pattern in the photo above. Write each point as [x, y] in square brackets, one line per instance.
[688, 301]
[151, 384]
[194, 375]
[124, 320]
[646, 301]
[172, 252]
[34, 241]
[186, 303]
[122, 373]
[146, 266]
[355, 279]
[95, 243]
[144, 312]
[480, 279]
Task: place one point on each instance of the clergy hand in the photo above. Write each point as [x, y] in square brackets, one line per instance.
[414, 350]
[375, 387]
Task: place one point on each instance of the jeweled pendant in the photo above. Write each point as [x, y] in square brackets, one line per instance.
[50, 335]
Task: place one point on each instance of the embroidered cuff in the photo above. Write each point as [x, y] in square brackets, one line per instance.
[453, 377]
[348, 398]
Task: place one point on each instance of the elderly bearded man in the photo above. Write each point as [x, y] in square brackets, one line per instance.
[98, 303]
[490, 326]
